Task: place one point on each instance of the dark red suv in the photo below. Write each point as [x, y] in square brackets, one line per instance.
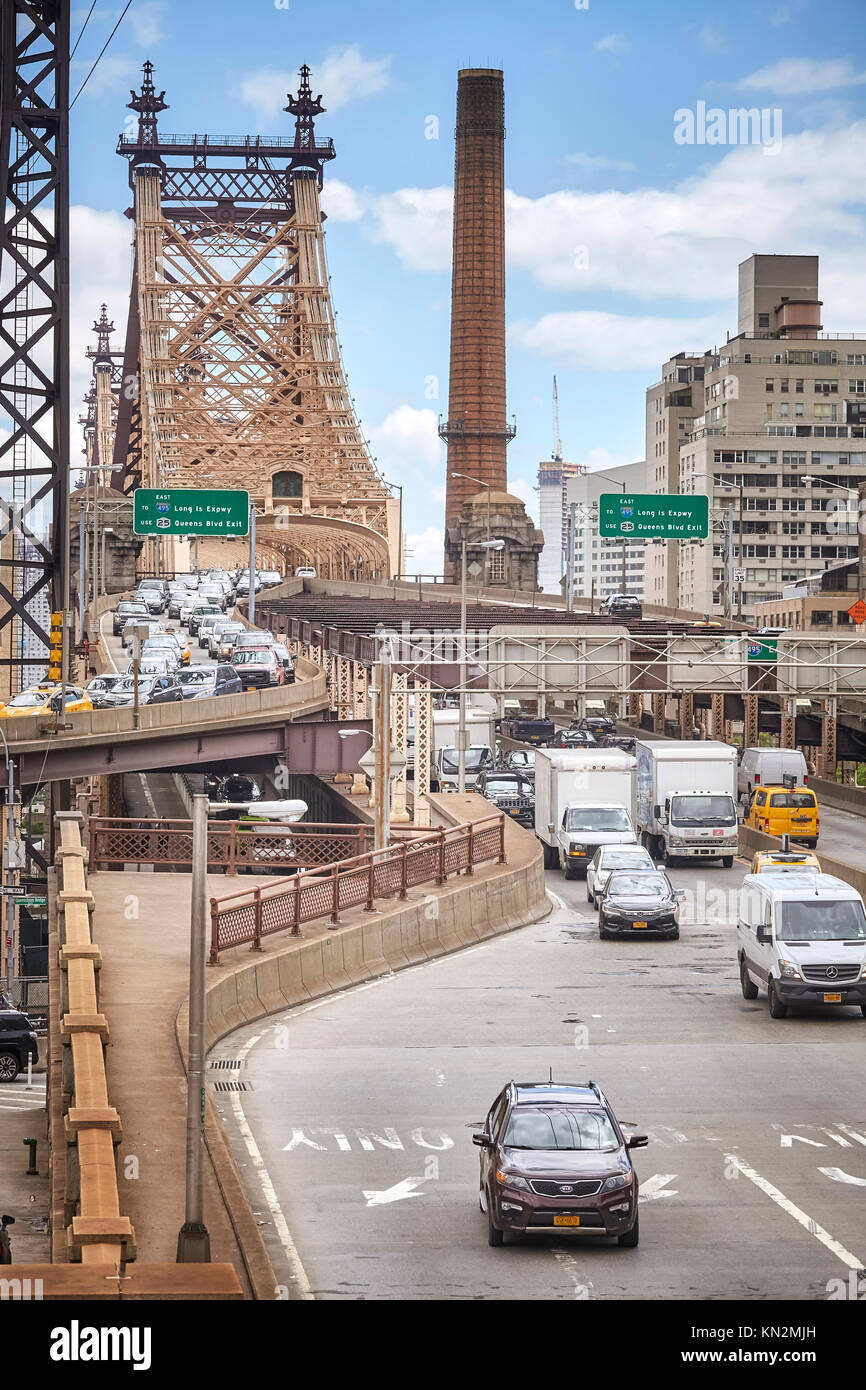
[553, 1157]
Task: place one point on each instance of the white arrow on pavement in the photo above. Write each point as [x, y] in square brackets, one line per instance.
[839, 1175]
[653, 1187]
[788, 1141]
[405, 1188]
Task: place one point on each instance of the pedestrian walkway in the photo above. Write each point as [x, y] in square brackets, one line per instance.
[23, 1116]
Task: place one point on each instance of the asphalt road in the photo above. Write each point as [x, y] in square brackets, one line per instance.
[119, 659]
[752, 1182]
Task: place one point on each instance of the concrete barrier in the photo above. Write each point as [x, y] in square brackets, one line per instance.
[753, 840]
[840, 796]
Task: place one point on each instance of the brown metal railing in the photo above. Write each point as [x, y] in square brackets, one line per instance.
[325, 892]
[231, 845]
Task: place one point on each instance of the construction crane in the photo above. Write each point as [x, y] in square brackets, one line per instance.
[557, 442]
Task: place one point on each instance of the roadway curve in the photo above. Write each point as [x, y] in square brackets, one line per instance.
[733, 1102]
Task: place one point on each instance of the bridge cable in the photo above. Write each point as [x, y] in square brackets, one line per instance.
[83, 27]
[104, 46]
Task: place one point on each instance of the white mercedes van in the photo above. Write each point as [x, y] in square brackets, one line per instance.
[768, 767]
[803, 939]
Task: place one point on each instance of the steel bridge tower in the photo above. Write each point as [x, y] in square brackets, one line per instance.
[232, 374]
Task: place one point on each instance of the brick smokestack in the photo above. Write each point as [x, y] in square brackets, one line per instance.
[476, 430]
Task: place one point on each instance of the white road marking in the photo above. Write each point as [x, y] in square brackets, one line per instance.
[831, 1244]
[555, 898]
[788, 1141]
[839, 1175]
[298, 1274]
[400, 1190]
[655, 1186]
[853, 1133]
[582, 1287]
[104, 640]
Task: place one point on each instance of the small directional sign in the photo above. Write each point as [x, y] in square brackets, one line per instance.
[13, 890]
[857, 612]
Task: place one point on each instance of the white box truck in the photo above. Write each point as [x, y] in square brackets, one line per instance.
[685, 803]
[583, 799]
[444, 756]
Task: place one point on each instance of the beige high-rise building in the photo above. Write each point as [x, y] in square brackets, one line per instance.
[772, 427]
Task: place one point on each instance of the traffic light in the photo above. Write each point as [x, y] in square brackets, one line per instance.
[55, 655]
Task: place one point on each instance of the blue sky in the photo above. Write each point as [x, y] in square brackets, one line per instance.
[623, 244]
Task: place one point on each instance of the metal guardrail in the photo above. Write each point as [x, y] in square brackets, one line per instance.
[231, 844]
[387, 873]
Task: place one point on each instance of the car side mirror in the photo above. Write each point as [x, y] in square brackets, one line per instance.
[482, 1140]
[765, 934]
[657, 812]
[637, 1141]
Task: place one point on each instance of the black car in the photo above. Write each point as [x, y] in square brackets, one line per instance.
[622, 606]
[642, 900]
[521, 760]
[201, 682]
[128, 608]
[99, 689]
[17, 1043]
[596, 724]
[528, 730]
[510, 792]
[574, 738]
[236, 786]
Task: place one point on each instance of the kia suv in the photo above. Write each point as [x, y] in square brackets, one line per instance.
[17, 1043]
[553, 1157]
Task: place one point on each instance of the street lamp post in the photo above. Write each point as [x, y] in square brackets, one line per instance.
[472, 479]
[461, 726]
[193, 1241]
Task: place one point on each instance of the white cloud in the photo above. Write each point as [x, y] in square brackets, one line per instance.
[797, 76]
[518, 487]
[599, 161]
[113, 73]
[147, 20]
[612, 342]
[344, 75]
[416, 222]
[406, 443]
[424, 551]
[612, 43]
[341, 202]
[602, 460]
[100, 272]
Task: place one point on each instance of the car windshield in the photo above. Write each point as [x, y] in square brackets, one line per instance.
[703, 810]
[196, 675]
[560, 1128]
[821, 921]
[623, 885]
[515, 786]
[254, 656]
[127, 685]
[28, 699]
[793, 801]
[602, 818]
[476, 758]
[621, 859]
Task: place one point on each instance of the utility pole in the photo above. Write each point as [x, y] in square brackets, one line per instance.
[10, 875]
[193, 1241]
[382, 746]
[571, 533]
[251, 603]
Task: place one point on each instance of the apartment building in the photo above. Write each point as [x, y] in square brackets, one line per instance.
[773, 428]
[598, 561]
[553, 475]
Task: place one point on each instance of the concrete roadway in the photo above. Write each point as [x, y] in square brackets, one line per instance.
[349, 1098]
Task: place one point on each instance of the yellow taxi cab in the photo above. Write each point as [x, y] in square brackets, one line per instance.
[182, 642]
[45, 699]
[786, 810]
[783, 860]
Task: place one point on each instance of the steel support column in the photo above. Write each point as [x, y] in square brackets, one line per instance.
[750, 721]
[828, 741]
[399, 730]
[635, 708]
[789, 726]
[718, 718]
[687, 714]
[659, 713]
[421, 751]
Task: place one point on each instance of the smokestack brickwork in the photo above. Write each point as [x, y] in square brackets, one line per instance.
[476, 430]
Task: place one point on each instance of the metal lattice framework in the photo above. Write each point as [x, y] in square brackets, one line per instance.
[34, 323]
[235, 345]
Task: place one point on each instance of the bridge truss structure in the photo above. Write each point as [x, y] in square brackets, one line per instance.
[232, 374]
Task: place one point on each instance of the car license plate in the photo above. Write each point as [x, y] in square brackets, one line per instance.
[832, 999]
[251, 687]
[638, 924]
[566, 1220]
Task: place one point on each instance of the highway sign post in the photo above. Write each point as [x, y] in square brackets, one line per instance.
[188, 511]
[650, 515]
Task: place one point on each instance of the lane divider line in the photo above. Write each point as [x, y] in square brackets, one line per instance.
[830, 1243]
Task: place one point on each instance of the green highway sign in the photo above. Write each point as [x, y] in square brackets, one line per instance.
[189, 511]
[763, 648]
[643, 515]
[32, 900]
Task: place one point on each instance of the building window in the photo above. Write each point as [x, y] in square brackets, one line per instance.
[763, 320]
[288, 484]
[769, 384]
[783, 384]
[496, 561]
[799, 385]
[822, 617]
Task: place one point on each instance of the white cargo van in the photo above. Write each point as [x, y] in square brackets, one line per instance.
[767, 767]
[803, 939]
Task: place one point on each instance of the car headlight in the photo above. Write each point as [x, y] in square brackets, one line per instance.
[512, 1180]
[576, 848]
[863, 972]
[617, 1181]
[788, 971]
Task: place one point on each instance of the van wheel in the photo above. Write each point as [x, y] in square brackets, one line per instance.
[774, 1003]
[727, 861]
[589, 896]
[629, 1239]
[668, 859]
[749, 988]
[568, 871]
[9, 1067]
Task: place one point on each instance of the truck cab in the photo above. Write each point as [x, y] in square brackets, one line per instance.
[585, 827]
[446, 763]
